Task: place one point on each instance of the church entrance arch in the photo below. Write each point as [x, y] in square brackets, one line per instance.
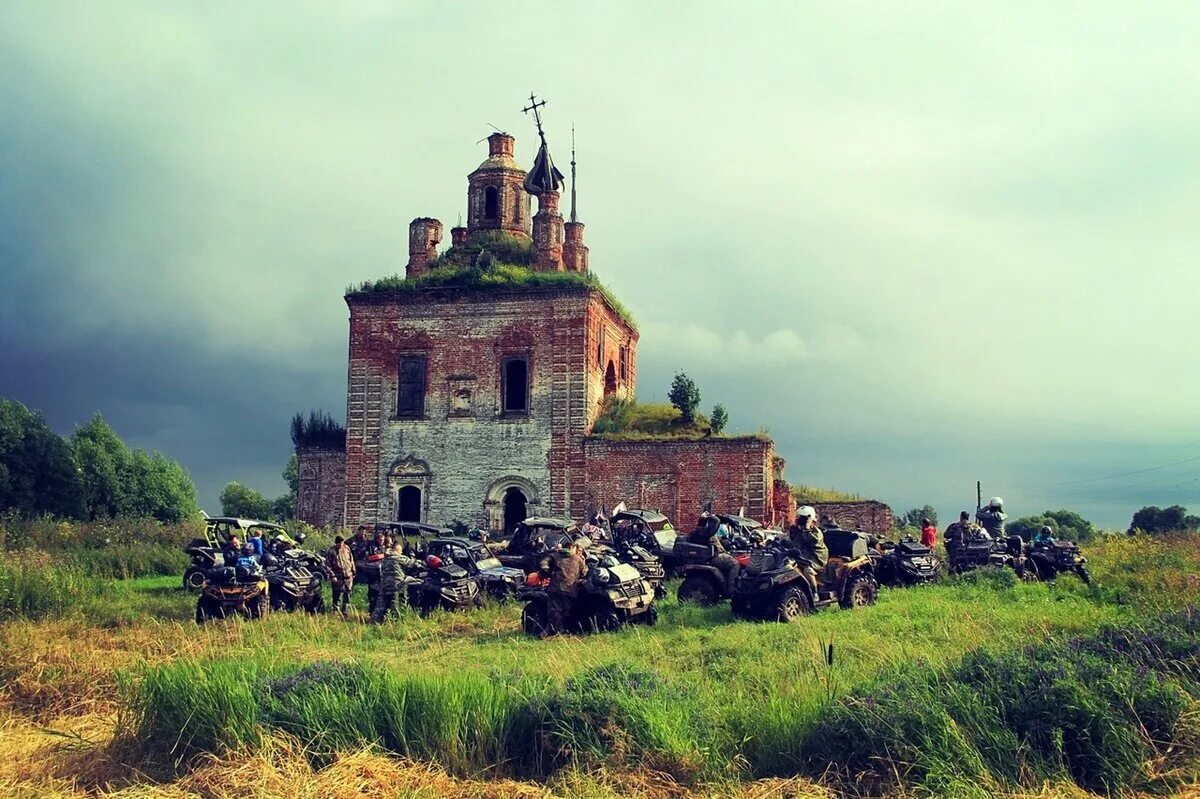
[510, 500]
[610, 379]
[408, 489]
[516, 508]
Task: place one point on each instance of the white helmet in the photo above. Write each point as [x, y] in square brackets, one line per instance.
[806, 510]
[996, 502]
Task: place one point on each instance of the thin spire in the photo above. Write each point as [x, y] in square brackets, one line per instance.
[574, 218]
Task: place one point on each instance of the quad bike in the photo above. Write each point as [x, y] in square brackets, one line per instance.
[205, 555]
[648, 565]
[773, 587]
[1049, 561]
[981, 551]
[905, 564]
[230, 591]
[612, 595]
[496, 581]
[292, 586]
[444, 585]
[703, 583]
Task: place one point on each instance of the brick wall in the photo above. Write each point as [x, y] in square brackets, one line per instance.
[321, 498]
[867, 515]
[464, 452]
[680, 477]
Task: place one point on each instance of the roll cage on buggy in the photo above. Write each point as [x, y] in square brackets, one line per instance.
[535, 538]
[495, 580]
[205, 551]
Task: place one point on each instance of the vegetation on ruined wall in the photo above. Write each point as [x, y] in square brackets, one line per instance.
[806, 493]
[1090, 686]
[497, 276]
[318, 429]
[629, 420]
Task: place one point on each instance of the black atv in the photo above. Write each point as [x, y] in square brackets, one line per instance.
[703, 584]
[1049, 561]
[982, 551]
[205, 555]
[446, 586]
[496, 581]
[292, 586]
[773, 587]
[905, 564]
[612, 595]
[233, 591]
[289, 550]
[648, 566]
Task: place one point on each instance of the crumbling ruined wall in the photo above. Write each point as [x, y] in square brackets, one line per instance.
[866, 515]
[679, 477]
[321, 496]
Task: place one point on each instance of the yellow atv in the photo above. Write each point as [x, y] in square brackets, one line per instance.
[773, 586]
[230, 591]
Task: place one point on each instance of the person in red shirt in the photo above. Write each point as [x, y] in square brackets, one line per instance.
[928, 533]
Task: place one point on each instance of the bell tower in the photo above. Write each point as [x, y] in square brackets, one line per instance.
[496, 196]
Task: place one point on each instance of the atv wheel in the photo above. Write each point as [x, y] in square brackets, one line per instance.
[648, 618]
[1083, 575]
[860, 592]
[316, 604]
[608, 622]
[698, 591]
[193, 579]
[1030, 572]
[535, 619]
[741, 608]
[205, 610]
[792, 604]
[259, 607]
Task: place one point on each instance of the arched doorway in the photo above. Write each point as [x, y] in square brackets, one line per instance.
[516, 508]
[408, 504]
[610, 379]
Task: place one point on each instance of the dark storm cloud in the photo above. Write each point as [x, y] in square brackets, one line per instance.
[920, 249]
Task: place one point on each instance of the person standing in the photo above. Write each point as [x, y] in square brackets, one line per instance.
[928, 533]
[567, 570]
[992, 517]
[339, 561]
[391, 582]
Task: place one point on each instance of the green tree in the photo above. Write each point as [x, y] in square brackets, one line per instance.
[1066, 524]
[37, 472]
[240, 500]
[685, 397]
[912, 518]
[1153, 519]
[720, 418]
[122, 482]
[284, 507]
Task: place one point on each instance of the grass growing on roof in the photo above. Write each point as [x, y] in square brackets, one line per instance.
[626, 419]
[806, 493]
[497, 276]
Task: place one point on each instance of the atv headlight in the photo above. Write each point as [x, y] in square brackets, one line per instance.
[603, 576]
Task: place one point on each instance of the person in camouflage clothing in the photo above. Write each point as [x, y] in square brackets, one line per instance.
[391, 582]
[339, 563]
[567, 571]
[807, 542]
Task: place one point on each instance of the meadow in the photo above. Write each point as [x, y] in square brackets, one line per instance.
[978, 686]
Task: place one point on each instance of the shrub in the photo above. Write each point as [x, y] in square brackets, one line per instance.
[317, 430]
[685, 396]
[1065, 524]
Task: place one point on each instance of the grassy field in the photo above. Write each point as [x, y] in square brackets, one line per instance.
[976, 687]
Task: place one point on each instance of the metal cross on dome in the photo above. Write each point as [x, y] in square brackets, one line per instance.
[534, 105]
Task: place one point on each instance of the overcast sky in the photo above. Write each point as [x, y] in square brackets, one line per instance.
[921, 244]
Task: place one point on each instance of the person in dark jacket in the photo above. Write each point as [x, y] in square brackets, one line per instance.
[391, 582]
[807, 542]
[710, 532]
[567, 571]
[959, 533]
[374, 554]
[359, 542]
[232, 550]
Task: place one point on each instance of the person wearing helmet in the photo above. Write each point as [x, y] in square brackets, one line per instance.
[992, 517]
[567, 570]
[807, 542]
[1044, 537]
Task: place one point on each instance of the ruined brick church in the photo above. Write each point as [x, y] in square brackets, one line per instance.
[473, 398]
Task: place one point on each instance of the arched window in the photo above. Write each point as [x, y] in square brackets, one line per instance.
[517, 206]
[610, 380]
[491, 203]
